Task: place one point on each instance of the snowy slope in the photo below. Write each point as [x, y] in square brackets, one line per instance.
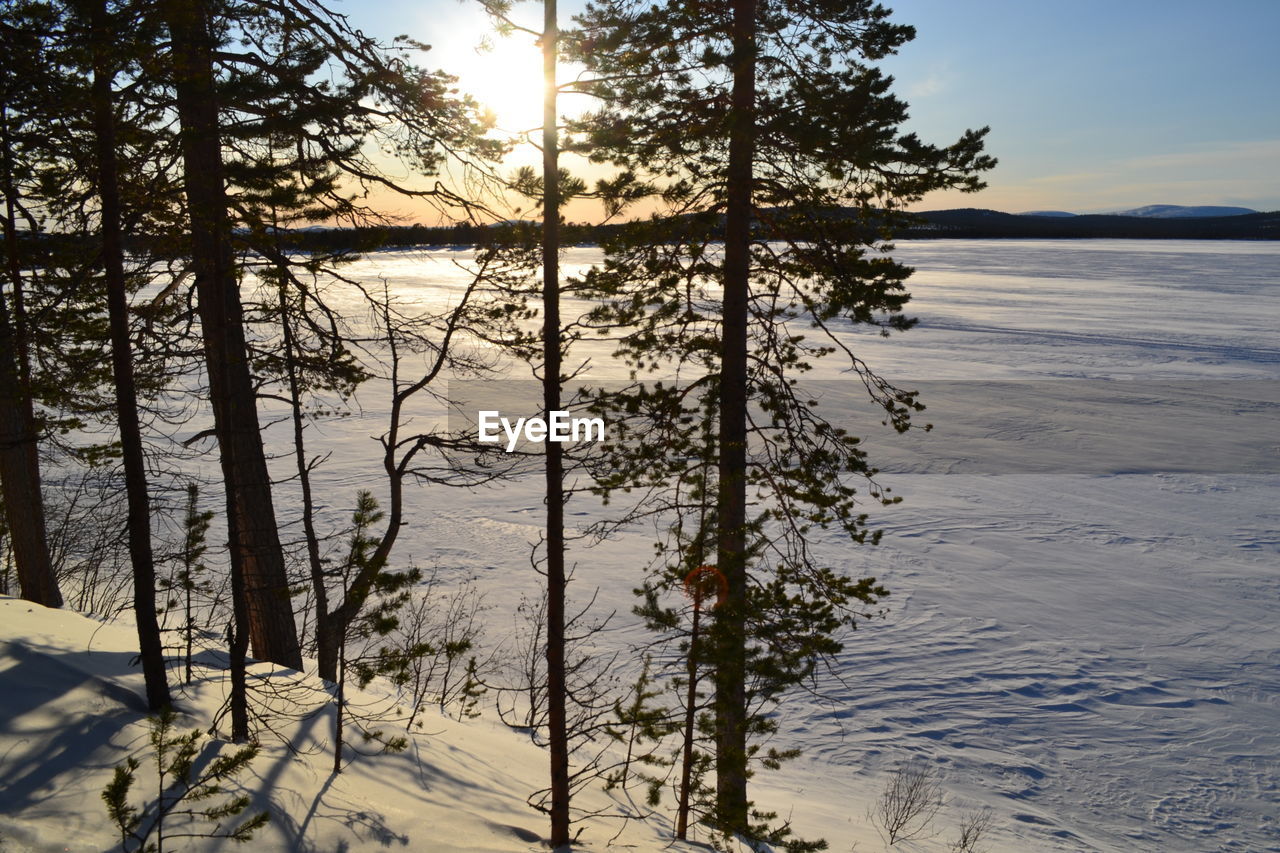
[71, 709]
[1160, 211]
[1178, 211]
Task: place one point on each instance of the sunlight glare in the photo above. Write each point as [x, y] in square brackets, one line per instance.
[507, 80]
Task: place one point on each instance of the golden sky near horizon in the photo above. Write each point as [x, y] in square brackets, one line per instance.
[1155, 103]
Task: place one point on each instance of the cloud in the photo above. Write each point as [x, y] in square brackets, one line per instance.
[935, 82]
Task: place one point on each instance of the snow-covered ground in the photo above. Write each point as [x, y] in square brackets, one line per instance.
[71, 709]
[1089, 645]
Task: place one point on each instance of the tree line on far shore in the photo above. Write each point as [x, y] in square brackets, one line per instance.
[964, 223]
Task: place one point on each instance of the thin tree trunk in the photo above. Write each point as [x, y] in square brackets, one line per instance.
[339, 706]
[730, 678]
[331, 626]
[237, 650]
[556, 690]
[139, 524]
[255, 544]
[19, 459]
[190, 626]
[20, 477]
[325, 645]
[690, 717]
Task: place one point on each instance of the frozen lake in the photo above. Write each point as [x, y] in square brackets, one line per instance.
[1092, 650]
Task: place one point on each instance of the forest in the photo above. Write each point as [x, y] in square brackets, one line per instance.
[172, 172]
[967, 223]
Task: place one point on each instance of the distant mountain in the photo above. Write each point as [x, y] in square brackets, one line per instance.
[1158, 211]
[976, 222]
[1178, 211]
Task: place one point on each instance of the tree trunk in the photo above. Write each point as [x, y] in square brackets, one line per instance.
[237, 649]
[340, 698]
[326, 644]
[329, 636]
[19, 461]
[690, 718]
[556, 719]
[255, 543]
[20, 476]
[139, 524]
[730, 627]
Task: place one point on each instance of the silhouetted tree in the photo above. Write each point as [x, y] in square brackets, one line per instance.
[762, 124]
[28, 87]
[550, 190]
[102, 37]
[260, 589]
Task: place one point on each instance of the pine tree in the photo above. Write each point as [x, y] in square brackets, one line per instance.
[260, 588]
[27, 84]
[390, 592]
[101, 37]
[289, 149]
[552, 188]
[298, 151]
[184, 786]
[264, 145]
[195, 526]
[552, 380]
[762, 125]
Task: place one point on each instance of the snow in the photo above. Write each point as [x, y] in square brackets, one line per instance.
[1089, 647]
[72, 710]
[1175, 211]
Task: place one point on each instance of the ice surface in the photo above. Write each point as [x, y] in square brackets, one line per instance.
[1094, 655]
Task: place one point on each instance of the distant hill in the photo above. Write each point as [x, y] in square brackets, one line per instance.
[1158, 211]
[975, 222]
[1178, 211]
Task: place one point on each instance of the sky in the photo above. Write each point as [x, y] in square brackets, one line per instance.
[1093, 106]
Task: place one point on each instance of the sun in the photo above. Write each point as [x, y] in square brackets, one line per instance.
[502, 72]
[506, 78]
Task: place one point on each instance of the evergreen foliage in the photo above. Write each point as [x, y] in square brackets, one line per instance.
[193, 790]
[643, 723]
[378, 618]
[189, 577]
[767, 126]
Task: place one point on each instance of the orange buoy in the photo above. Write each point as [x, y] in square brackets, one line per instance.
[702, 581]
